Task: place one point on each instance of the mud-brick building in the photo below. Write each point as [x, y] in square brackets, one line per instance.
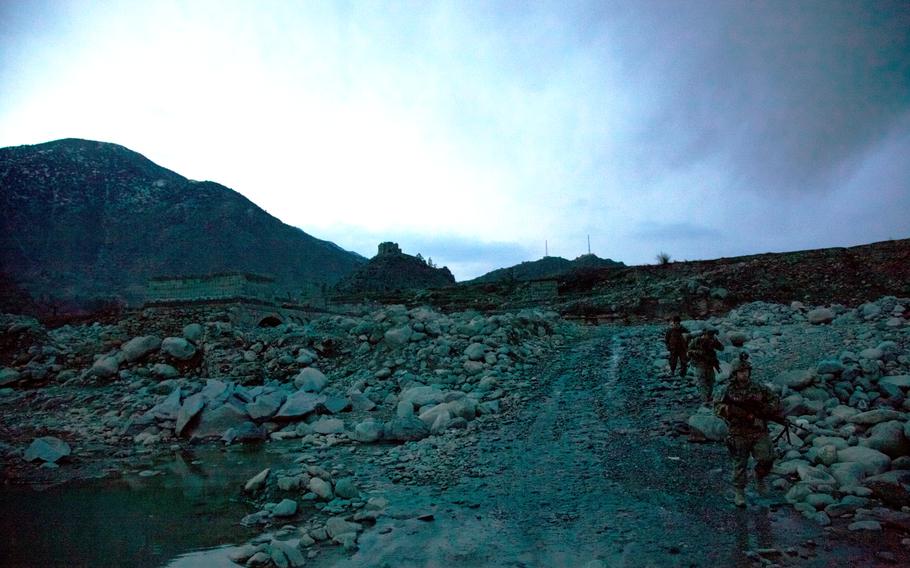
[222, 286]
[247, 299]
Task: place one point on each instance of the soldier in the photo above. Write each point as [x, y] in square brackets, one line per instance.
[747, 407]
[675, 339]
[703, 352]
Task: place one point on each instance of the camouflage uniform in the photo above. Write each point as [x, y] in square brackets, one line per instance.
[745, 406]
[675, 340]
[703, 352]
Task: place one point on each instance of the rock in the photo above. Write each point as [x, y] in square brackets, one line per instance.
[368, 431]
[257, 482]
[814, 476]
[178, 348]
[346, 489]
[865, 526]
[819, 500]
[473, 367]
[475, 351]
[286, 508]
[298, 405]
[360, 402]
[430, 415]
[872, 461]
[876, 416]
[282, 554]
[306, 357]
[737, 338]
[888, 438]
[900, 381]
[321, 488]
[106, 367]
[422, 396]
[193, 332]
[820, 315]
[336, 404]
[872, 353]
[47, 449]
[139, 347]
[164, 371]
[829, 366]
[214, 422]
[892, 488]
[336, 526]
[169, 409]
[707, 426]
[848, 474]
[188, 410]
[795, 379]
[406, 429]
[328, 426]
[8, 376]
[246, 432]
[265, 406]
[398, 336]
[311, 380]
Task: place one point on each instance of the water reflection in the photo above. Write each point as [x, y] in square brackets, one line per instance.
[192, 504]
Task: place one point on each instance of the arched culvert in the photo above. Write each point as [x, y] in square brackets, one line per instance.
[269, 321]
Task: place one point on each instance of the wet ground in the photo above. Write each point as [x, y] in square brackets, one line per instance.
[589, 471]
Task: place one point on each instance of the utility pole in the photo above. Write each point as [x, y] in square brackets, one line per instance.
[546, 249]
[589, 244]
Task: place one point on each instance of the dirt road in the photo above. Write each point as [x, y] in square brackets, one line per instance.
[592, 471]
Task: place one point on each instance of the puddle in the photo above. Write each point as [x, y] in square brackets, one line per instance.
[189, 510]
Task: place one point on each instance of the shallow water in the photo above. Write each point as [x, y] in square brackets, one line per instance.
[191, 505]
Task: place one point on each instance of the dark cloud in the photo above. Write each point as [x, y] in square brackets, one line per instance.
[784, 94]
[674, 231]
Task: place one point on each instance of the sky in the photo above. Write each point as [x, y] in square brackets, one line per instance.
[484, 134]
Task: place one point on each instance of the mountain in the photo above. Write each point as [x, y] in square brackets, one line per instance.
[392, 271]
[546, 267]
[83, 220]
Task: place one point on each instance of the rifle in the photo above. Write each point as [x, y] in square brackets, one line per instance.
[759, 412]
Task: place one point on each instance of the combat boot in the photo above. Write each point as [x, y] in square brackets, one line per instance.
[739, 497]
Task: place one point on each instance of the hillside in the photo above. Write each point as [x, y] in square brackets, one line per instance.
[392, 271]
[82, 221]
[546, 267]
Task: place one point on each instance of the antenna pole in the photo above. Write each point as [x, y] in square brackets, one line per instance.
[589, 244]
[546, 248]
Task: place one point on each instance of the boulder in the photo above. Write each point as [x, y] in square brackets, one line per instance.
[820, 315]
[164, 371]
[310, 380]
[298, 405]
[8, 376]
[398, 336]
[872, 461]
[106, 367]
[214, 422]
[830, 367]
[257, 482]
[336, 404]
[47, 449]
[361, 402]
[900, 381]
[139, 347]
[422, 396]
[286, 508]
[188, 410]
[265, 406]
[321, 488]
[872, 353]
[346, 488]
[368, 431]
[337, 526]
[876, 416]
[795, 379]
[193, 332]
[888, 438]
[892, 487]
[246, 432]
[406, 429]
[169, 409]
[848, 474]
[707, 426]
[475, 351]
[178, 348]
[430, 415]
[328, 426]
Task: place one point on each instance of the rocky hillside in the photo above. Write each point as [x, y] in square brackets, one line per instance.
[83, 220]
[547, 267]
[392, 271]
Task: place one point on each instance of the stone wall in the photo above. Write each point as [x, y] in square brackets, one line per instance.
[210, 287]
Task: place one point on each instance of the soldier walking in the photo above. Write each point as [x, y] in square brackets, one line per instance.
[703, 352]
[675, 338]
[747, 408]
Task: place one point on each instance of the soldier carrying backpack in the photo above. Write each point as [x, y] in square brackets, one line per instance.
[703, 353]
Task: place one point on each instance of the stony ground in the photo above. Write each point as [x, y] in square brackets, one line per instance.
[470, 440]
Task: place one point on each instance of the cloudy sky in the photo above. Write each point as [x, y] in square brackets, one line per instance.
[476, 132]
